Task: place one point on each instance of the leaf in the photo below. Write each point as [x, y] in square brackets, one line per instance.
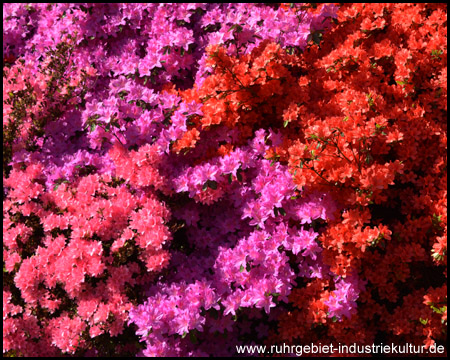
[286, 123]
[193, 337]
[205, 186]
[212, 184]
[239, 175]
[316, 37]
[241, 269]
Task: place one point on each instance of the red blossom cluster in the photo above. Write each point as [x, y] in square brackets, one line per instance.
[94, 242]
[374, 133]
[362, 115]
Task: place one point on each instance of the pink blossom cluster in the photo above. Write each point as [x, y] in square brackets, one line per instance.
[342, 300]
[236, 265]
[111, 234]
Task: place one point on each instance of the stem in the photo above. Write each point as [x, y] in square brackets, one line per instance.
[113, 135]
[312, 168]
[356, 160]
[337, 147]
[237, 79]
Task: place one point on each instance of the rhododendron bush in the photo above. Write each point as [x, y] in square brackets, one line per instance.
[180, 179]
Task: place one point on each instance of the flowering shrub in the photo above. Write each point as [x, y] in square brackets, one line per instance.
[374, 135]
[180, 179]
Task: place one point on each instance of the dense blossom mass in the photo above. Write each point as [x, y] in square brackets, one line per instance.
[180, 179]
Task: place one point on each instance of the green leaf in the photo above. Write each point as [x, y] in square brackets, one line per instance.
[316, 37]
[212, 184]
[205, 186]
[93, 126]
[282, 211]
[241, 269]
[193, 337]
[239, 175]
[285, 123]
[439, 310]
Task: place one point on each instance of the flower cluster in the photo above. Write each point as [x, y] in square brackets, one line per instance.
[373, 134]
[180, 179]
[239, 250]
